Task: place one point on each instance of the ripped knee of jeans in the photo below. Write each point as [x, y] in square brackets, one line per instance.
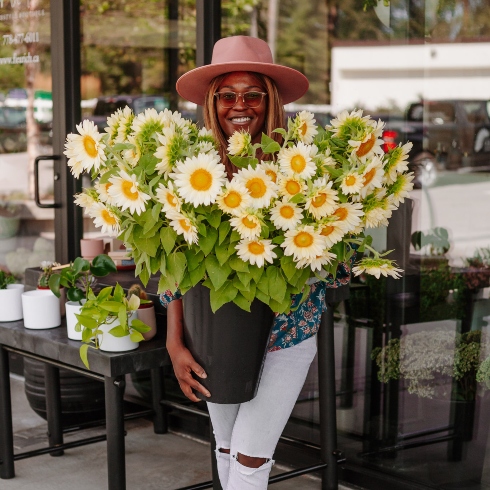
[222, 452]
[249, 471]
[253, 462]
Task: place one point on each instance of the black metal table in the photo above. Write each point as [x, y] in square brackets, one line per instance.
[55, 349]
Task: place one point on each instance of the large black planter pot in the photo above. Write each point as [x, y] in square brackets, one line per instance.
[230, 345]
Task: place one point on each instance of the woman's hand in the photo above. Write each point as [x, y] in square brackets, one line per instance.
[184, 365]
[183, 362]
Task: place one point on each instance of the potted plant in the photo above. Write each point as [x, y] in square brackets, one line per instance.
[434, 244]
[10, 298]
[9, 219]
[146, 310]
[109, 322]
[256, 239]
[76, 278]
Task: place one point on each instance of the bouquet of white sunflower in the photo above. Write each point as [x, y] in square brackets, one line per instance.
[293, 214]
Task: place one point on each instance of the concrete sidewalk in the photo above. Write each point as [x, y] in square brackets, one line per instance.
[162, 462]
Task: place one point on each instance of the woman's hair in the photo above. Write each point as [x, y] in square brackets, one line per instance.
[275, 117]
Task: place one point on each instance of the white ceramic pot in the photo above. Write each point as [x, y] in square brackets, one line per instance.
[109, 343]
[72, 308]
[11, 303]
[41, 309]
[147, 315]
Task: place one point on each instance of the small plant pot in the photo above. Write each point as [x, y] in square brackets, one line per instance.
[62, 298]
[41, 309]
[91, 247]
[109, 343]
[72, 308]
[146, 313]
[11, 303]
[9, 226]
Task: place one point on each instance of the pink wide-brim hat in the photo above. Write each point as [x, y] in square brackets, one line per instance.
[242, 53]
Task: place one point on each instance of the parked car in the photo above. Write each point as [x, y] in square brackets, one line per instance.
[446, 135]
[107, 105]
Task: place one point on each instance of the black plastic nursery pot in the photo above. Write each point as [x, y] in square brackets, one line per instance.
[230, 345]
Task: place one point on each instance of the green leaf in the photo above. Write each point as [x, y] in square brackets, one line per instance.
[243, 162]
[193, 259]
[223, 295]
[197, 274]
[148, 163]
[86, 321]
[112, 306]
[235, 237]
[84, 355]
[223, 231]
[135, 336]
[80, 265]
[298, 198]
[250, 293]
[167, 238]
[244, 277]
[216, 272]
[149, 226]
[256, 272]
[242, 302]
[176, 264]
[102, 265]
[107, 175]
[145, 244]
[281, 307]
[154, 264]
[185, 284]
[222, 253]
[214, 218]
[281, 131]
[118, 331]
[269, 145]
[54, 284]
[262, 297]
[166, 282]
[207, 242]
[74, 294]
[239, 284]
[277, 284]
[122, 146]
[144, 276]
[288, 267]
[263, 284]
[237, 264]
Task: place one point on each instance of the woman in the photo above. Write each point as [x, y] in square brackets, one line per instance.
[242, 89]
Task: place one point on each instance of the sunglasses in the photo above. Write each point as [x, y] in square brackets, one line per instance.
[227, 100]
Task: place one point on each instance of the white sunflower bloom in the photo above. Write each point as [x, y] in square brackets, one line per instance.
[303, 242]
[317, 263]
[271, 169]
[103, 191]
[372, 177]
[132, 155]
[168, 197]
[199, 179]
[340, 125]
[377, 267]
[183, 225]
[239, 143]
[234, 198]
[164, 151]
[256, 251]
[85, 150]
[76, 167]
[333, 231]
[297, 160]
[205, 133]
[370, 143]
[86, 201]
[377, 213]
[207, 147]
[247, 224]
[351, 183]
[105, 219]
[286, 215]
[146, 124]
[290, 185]
[322, 199]
[326, 159]
[125, 193]
[401, 188]
[305, 127]
[396, 161]
[112, 128]
[124, 127]
[348, 215]
[259, 185]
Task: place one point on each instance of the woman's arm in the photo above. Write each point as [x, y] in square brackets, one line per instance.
[182, 361]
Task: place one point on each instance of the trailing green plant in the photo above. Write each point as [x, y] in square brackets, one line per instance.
[47, 272]
[110, 306]
[79, 276]
[6, 278]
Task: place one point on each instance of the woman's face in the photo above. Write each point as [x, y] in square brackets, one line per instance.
[241, 117]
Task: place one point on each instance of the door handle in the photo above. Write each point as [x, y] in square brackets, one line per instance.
[39, 204]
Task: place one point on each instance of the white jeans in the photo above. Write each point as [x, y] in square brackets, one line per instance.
[253, 428]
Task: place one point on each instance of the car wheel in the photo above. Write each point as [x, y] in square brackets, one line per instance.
[424, 168]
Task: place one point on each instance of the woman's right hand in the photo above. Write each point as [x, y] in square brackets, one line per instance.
[184, 365]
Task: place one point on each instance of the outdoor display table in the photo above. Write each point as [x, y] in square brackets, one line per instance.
[55, 349]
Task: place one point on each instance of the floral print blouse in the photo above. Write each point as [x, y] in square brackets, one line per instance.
[303, 321]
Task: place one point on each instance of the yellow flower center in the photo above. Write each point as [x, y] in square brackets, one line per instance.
[341, 213]
[108, 217]
[233, 199]
[303, 128]
[286, 212]
[327, 230]
[369, 176]
[90, 146]
[256, 187]
[201, 180]
[249, 223]
[272, 175]
[303, 239]
[298, 163]
[127, 189]
[292, 187]
[184, 224]
[350, 180]
[171, 200]
[366, 147]
[256, 248]
[319, 200]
